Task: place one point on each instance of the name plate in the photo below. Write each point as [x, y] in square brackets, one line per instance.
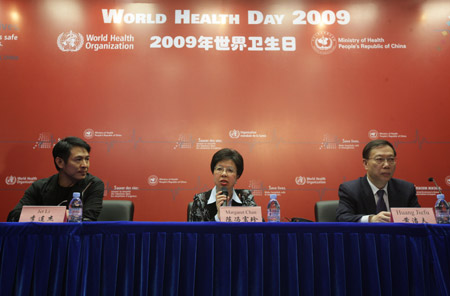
[43, 214]
[413, 215]
[240, 214]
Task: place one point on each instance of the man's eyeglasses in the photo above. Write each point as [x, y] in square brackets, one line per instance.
[220, 170]
[380, 160]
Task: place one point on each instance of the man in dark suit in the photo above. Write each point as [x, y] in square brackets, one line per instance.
[369, 198]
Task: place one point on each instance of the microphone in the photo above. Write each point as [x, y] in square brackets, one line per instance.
[431, 179]
[64, 201]
[225, 192]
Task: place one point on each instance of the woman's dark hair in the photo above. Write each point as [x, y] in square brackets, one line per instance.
[374, 144]
[226, 154]
[63, 147]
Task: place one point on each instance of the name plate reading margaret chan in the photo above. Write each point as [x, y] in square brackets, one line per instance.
[55, 214]
[240, 214]
[413, 215]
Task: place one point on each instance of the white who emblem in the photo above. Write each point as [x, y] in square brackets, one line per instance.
[70, 41]
[300, 180]
[234, 134]
[10, 180]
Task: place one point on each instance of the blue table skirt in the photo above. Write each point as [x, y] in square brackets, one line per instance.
[150, 258]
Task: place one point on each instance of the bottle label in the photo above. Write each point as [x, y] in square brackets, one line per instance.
[75, 215]
[442, 216]
[273, 215]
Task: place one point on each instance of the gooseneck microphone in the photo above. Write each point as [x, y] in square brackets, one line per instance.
[61, 203]
[431, 179]
[225, 192]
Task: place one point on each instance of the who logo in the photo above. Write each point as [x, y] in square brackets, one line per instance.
[234, 134]
[70, 41]
[300, 180]
[10, 180]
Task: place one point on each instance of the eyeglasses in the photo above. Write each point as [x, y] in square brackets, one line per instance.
[220, 170]
[380, 160]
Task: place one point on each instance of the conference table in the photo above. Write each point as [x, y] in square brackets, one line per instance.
[213, 258]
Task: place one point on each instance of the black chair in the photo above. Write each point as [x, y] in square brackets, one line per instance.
[325, 211]
[189, 210]
[117, 210]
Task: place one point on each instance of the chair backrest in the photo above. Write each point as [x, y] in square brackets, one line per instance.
[325, 211]
[117, 210]
[189, 210]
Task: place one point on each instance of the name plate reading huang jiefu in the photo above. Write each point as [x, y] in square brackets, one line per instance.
[240, 214]
[413, 215]
[55, 214]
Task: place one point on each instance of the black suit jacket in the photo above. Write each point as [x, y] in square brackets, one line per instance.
[356, 198]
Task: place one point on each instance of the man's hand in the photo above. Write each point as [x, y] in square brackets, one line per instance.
[383, 217]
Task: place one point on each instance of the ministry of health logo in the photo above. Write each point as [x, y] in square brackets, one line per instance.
[88, 133]
[152, 180]
[70, 41]
[373, 134]
[10, 180]
[323, 42]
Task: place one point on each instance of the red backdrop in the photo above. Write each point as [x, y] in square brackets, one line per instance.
[155, 116]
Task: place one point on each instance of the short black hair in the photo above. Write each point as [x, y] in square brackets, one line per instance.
[374, 144]
[63, 147]
[226, 154]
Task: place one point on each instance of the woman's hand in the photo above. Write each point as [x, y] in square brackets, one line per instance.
[221, 199]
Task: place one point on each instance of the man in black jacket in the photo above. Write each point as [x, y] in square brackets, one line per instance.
[369, 198]
[71, 158]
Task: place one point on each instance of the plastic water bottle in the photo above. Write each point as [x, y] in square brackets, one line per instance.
[442, 210]
[273, 209]
[75, 208]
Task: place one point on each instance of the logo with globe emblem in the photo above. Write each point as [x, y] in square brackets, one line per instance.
[70, 41]
[10, 180]
[234, 134]
[323, 42]
[300, 180]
